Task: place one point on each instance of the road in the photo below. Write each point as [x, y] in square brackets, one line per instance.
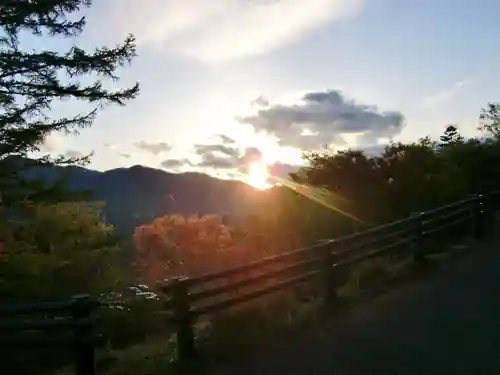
[448, 323]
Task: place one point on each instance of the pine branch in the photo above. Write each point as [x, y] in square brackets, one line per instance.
[103, 61]
[31, 82]
[40, 15]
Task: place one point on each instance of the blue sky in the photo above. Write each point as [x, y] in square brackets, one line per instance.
[252, 70]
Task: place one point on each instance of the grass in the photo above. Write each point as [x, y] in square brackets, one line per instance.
[254, 326]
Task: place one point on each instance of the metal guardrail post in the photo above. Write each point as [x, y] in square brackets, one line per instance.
[478, 217]
[419, 244]
[185, 337]
[334, 273]
[330, 276]
[488, 213]
[85, 355]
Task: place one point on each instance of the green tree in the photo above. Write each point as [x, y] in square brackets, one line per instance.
[352, 180]
[32, 82]
[57, 251]
[475, 157]
[370, 190]
[490, 120]
[416, 179]
[451, 136]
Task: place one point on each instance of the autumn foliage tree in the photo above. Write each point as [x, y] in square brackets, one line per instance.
[175, 245]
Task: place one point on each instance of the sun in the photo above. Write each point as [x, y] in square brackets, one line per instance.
[258, 175]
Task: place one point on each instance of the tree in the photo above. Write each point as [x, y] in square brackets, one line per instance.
[175, 245]
[32, 82]
[301, 214]
[275, 227]
[63, 249]
[57, 251]
[490, 120]
[406, 178]
[451, 136]
[416, 178]
[341, 174]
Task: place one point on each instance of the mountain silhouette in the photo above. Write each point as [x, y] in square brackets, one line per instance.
[137, 195]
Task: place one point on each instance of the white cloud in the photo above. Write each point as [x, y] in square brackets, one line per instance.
[445, 94]
[153, 148]
[222, 30]
[325, 118]
[111, 146]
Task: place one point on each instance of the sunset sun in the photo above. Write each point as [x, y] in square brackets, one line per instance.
[258, 175]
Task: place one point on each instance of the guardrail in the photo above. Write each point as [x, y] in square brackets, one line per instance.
[68, 323]
[191, 297]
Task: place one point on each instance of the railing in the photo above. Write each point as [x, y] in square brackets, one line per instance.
[192, 297]
[188, 298]
[60, 324]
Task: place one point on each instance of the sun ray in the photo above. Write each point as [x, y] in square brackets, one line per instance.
[321, 196]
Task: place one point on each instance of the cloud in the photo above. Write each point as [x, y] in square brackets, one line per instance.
[218, 156]
[260, 101]
[221, 149]
[73, 154]
[225, 139]
[224, 30]
[115, 149]
[224, 155]
[153, 148]
[322, 118]
[232, 159]
[111, 146]
[227, 159]
[445, 94]
[175, 163]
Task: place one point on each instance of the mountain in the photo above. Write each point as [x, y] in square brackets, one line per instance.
[136, 195]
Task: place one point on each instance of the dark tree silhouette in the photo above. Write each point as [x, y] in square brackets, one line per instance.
[451, 136]
[31, 82]
[490, 120]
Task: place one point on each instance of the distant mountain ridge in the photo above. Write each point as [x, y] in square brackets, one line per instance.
[137, 195]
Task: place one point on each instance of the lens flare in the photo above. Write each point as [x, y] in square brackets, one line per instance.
[258, 175]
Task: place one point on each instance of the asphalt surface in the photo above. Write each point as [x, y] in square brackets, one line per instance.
[447, 323]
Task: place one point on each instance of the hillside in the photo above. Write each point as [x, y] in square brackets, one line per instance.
[138, 194]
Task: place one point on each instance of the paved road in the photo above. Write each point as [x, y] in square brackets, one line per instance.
[448, 323]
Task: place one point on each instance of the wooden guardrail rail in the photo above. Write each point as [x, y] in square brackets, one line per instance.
[188, 298]
[59, 324]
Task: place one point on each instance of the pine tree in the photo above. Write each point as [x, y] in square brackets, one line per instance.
[451, 136]
[31, 82]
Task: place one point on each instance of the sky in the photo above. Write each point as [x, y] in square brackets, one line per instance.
[227, 83]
